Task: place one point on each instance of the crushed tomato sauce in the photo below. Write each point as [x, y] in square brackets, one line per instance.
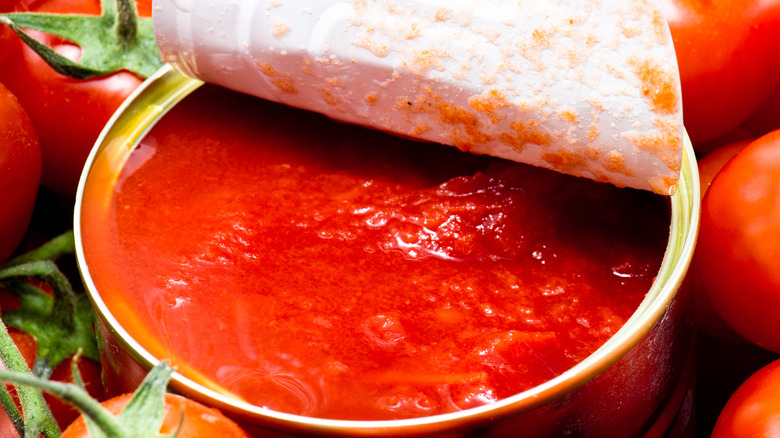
[333, 271]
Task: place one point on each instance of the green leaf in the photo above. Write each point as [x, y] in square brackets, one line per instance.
[143, 416]
[62, 326]
[116, 40]
[93, 429]
[58, 337]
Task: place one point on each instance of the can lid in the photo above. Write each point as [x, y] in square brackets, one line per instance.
[589, 88]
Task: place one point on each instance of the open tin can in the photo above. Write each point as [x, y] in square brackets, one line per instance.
[639, 383]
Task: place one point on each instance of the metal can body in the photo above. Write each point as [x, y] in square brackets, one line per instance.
[637, 384]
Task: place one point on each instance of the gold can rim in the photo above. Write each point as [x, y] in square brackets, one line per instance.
[162, 91]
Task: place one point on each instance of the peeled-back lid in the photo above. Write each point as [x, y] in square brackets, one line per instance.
[589, 88]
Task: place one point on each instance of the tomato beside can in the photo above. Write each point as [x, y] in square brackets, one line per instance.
[736, 258]
[67, 113]
[20, 171]
[752, 409]
[727, 63]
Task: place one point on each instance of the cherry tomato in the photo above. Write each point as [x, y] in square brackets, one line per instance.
[728, 60]
[739, 242]
[199, 421]
[754, 408]
[67, 113]
[20, 172]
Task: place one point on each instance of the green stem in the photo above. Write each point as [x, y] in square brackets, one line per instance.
[7, 402]
[51, 250]
[61, 324]
[74, 395]
[46, 270]
[42, 367]
[126, 21]
[115, 40]
[74, 371]
[33, 404]
[59, 63]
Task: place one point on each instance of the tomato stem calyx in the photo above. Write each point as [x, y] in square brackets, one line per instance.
[116, 40]
[63, 324]
[127, 24]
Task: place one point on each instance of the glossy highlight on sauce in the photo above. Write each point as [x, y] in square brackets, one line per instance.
[332, 271]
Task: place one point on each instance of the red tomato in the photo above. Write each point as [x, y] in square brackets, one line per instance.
[739, 242]
[20, 172]
[199, 421]
[728, 59]
[68, 114]
[705, 316]
[754, 408]
[144, 7]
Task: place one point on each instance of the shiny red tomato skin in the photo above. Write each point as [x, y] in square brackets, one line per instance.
[68, 114]
[739, 242]
[707, 320]
[726, 51]
[754, 408]
[199, 421]
[20, 172]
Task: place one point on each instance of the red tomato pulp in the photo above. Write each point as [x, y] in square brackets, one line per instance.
[332, 271]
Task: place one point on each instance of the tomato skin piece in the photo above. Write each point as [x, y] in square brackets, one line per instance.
[67, 113]
[726, 52]
[739, 242]
[199, 421]
[754, 408]
[20, 172]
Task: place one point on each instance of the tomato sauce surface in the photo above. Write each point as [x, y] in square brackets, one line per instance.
[332, 271]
